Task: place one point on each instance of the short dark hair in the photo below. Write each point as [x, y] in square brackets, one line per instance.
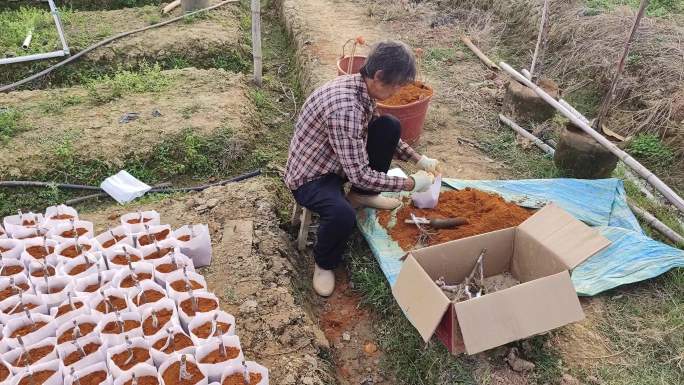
[394, 59]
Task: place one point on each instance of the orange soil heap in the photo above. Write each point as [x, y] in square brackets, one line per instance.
[112, 241]
[163, 316]
[160, 236]
[182, 286]
[139, 355]
[130, 281]
[67, 308]
[148, 296]
[239, 379]
[203, 305]
[485, 212]
[85, 328]
[204, 330]
[33, 356]
[158, 254]
[180, 341]
[144, 380]
[27, 329]
[72, 233]
[408, 94]
[38, 378]
[114, 327]
[75, 356]
[217, 355]
[39, 252]
[72, 252]
[12, 270]
[9, 291]
[61, 217]
[4, 372]
[93, 378]
[171, 374]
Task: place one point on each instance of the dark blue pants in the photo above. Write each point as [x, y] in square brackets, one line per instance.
[325, 195]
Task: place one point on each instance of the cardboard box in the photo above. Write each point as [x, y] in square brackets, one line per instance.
[539, 252]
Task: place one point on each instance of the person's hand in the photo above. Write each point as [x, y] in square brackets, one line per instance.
[422, 181]
[428, 164]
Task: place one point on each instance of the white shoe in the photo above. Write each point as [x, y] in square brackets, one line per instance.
[323, 281]
[374, 201]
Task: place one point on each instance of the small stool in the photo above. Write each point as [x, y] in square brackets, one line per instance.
[301, 216]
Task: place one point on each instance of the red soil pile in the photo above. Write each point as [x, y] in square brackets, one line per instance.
[167, 268]
[20, 309]
[408, 94]
[203, 305]
[38, 378]
[148, 296]
[55, 290]
[115, 328]
[75, 356]
[129, 281]
[204, 330]
[239, 379]
[39, 252]
[485, 212]
[181, 286]
[40, 272]
[139, 355]
[137, 220]
[121, 259]
[2, 249]
[180, 341]
[146, 240]
[72, 233]
[61, 217]
[171, 374]
[12, 270]
[94, 378]
[72, 252]
[92, 288]
[217, 356]
[86, 328]
[4, 372]
[80, 268]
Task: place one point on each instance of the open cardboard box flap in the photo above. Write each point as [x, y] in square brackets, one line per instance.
[540, 252]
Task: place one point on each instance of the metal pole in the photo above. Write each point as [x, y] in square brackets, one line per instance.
[38, 56]
[58, 24]
[645, 173]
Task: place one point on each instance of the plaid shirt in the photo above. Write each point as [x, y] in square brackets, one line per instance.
[330, 137]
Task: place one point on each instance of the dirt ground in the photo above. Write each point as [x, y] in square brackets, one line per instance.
[216, 99]
[251, 273]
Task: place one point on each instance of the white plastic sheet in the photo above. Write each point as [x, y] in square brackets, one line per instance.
[124, 187]
[198, 247]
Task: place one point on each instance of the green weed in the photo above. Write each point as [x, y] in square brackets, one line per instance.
[188, 111]
[586, 100]
[9, 123]
[59, 103]
[107, 88]
[501, 145]
[656, 8]
[650, 150]
[15, 24]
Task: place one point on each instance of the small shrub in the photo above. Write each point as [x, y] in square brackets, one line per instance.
[9, 123]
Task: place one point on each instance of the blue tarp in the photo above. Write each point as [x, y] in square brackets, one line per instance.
[631, 257]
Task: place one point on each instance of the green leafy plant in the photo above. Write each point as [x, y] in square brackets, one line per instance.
[107, 88]
[9, 123]
[649, 149]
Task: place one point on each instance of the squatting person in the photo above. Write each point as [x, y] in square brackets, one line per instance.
[339, 137]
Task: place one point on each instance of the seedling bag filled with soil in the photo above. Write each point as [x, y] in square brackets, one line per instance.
[47, 373]
[120, 256]
[96, 374]
[151, 234]
[71, 229]
[159, 316]
[113, 237]
[60, 213]
[22, 220]
[214, 355]
[147, 294]
[5, 373]
[159, 249]
[69, 249]
[39, 250]
[94, 282]
[179, 282]
[31, 330]
[10, 287]
[37, 271]
[145, 374]
[171, 342]
[71, 308]
[16, 307]
[122, 358]
[209, 326]
[11, 268]
[113, 299]
[135, 221]
[127, 279]
[29, 355]
[82, 353]
[194, 303]
[115, 327]
[195, 242]
[182, 370]
[237, 374]
[77, 328]
[170, 263]
[11, 248]
[54, 290]
[83, 265]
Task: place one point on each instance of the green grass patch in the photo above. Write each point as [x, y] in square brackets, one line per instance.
[106, 88]
[585, 100]
[652, 152]
[58, 104]
[658, 8]
[9, 123]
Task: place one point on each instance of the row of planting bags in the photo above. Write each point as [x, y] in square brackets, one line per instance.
[115, 308]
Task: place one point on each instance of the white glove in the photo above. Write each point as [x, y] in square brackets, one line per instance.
[428, 164]
[422, 181]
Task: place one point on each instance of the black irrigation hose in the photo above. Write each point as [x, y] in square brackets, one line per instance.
[28, 183]
[107, 41]
[164, 190]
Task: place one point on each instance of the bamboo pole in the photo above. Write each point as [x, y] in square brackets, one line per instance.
[543, 31]
[171, 6]
[656, 224]
[256, 41]
[466, 40]
[632, 163]
[538, 142]
[608, 99]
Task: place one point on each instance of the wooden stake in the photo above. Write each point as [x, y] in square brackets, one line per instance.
[632, 163]
[466, 40]
[538, 142]
[256, 41]
[608, 98]
[541, 38]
